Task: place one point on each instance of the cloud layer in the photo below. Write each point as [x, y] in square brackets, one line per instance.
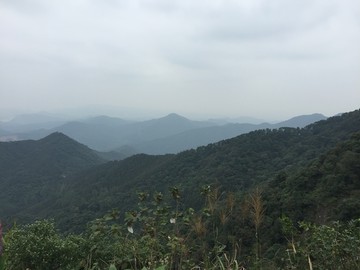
[249, 57]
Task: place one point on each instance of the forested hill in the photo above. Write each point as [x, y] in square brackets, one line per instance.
[54, 154]
[237, 164]
[31, 171]
[327, 189]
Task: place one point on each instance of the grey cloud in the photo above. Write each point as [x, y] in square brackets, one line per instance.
[267, 23]
[156, 53]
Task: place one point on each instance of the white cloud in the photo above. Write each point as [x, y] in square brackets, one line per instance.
[154, 53]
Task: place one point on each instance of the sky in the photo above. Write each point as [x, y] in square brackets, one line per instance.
[218, 58]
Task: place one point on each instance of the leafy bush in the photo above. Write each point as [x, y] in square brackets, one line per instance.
[325, 247]
[38, 246]
[163, 235]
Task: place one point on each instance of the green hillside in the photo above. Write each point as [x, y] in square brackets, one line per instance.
[237, 164]
[31, 172]
[327, 189]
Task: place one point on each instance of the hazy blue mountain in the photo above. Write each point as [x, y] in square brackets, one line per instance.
[203, 136]
[195, 138]
[103, 120]
[301, 121]
[166, 126]
[30, 122]
[101, 132]
[99, 136]
[170, 134]
[106, 133]
[238, 120]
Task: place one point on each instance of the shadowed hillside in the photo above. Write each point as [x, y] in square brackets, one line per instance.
[31, 171]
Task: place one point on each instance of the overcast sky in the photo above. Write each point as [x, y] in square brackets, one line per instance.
[270, 59]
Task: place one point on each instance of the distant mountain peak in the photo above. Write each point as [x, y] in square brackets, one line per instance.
[302, 120]
[175, 116]
[57, 136]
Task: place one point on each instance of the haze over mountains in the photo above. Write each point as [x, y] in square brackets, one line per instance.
[57, 177]
[170, 134]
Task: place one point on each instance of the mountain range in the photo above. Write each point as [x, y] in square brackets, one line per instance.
[57, 177]
[170, 134]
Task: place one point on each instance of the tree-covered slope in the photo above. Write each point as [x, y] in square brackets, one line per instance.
[31, 171]
[237, 164]
[327, 189]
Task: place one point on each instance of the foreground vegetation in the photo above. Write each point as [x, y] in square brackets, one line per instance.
[160, 234]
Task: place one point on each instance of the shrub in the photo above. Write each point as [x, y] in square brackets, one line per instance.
[38, 246]
[326, 247]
